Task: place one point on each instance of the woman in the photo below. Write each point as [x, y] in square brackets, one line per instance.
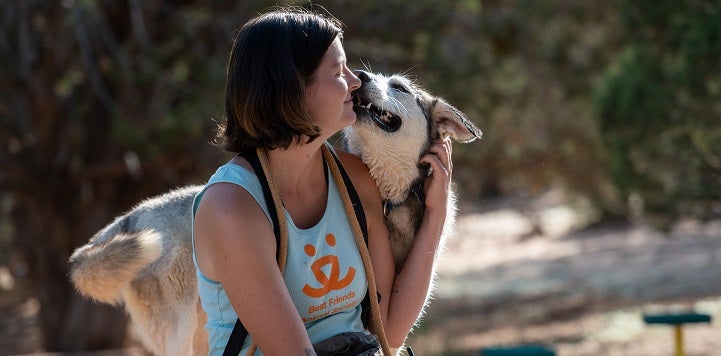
[288, 90]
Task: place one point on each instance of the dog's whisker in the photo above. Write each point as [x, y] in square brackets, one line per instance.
[407, 71]
[366, 66]
[400, 108]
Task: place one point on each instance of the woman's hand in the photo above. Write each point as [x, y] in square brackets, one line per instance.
[438, 184]
[409, 287]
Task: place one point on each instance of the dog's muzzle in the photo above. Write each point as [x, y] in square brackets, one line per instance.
[385, 120]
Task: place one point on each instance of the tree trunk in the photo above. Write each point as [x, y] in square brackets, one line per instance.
[68, 322]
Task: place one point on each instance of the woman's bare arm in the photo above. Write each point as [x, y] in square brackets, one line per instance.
[403, 293]
[235, 246]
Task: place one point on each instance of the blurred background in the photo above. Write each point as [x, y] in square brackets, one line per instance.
[594, 195]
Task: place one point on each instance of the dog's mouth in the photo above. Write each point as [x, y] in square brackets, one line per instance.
[385, 120]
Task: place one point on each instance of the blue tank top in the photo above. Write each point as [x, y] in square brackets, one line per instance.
[324, 271]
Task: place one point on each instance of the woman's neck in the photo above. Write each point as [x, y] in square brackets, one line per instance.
[299, 176]
[295, 164]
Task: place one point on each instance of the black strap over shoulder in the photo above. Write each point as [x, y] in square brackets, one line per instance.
[353, 195]
[360, 215]
[236, 339]
[239, 333]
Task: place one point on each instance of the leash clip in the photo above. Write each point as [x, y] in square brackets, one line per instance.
[416, 191]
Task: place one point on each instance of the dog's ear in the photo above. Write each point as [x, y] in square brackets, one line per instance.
[449, 121]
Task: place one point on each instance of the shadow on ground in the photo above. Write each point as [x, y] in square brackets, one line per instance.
[580, 290]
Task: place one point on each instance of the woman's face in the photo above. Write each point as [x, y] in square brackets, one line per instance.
[328, 97]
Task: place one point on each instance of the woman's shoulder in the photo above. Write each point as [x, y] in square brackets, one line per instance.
[232, 188]
[348, 158]
[360, 177]
[355, 167]
[225, 198]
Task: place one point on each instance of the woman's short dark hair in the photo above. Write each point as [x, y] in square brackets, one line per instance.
[274, 57]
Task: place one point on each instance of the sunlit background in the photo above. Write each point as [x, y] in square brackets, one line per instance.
[594, 196]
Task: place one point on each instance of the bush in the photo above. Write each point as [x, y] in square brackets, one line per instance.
[658, 107]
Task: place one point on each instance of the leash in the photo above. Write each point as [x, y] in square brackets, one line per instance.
[376, 322]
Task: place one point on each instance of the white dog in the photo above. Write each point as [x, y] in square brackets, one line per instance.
[144, 258]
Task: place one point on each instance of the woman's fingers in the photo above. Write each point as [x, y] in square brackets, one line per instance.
[437, 185]
[442, 151]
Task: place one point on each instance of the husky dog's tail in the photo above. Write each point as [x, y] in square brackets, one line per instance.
[102, 269]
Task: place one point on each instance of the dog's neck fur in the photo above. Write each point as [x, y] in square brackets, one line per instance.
[416, 193]
[390, 175]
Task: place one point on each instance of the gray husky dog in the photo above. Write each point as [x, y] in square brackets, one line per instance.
[143, 259]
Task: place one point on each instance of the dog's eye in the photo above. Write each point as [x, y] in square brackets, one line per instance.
[399, 87]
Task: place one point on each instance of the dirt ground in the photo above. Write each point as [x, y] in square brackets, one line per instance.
[533, 272]
[577, 289]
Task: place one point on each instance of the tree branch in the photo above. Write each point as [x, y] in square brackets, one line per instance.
[138, 25]
[96, 81]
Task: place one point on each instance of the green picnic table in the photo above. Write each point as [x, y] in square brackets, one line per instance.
[519, 350]
[677, 320]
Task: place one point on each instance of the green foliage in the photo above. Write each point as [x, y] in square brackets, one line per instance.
[522, 71]
[658, 105]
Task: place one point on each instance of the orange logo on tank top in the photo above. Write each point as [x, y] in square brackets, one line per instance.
[328, 283]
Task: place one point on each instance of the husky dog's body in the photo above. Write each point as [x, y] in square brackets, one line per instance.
[144, 258]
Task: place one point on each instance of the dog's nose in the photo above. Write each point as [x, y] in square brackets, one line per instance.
[362, 75]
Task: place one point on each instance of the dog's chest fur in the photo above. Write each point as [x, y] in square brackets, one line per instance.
[396, 175]
[402, 222]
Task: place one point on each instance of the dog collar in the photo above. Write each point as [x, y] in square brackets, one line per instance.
[416, 191]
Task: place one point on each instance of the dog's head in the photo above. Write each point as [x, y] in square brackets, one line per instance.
[397, 122]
